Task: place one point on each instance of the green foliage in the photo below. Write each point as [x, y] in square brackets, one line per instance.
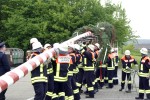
[55, 20]
[132, 49]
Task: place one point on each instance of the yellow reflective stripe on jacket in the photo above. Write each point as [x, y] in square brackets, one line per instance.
[126, 71]
[110, 68]
[143, 74]
[60, 79]
[141, 68]
[76, 70]
[57, 70]
[102, 66]
[41, 70]
[85, 61]
[89, 68]
[70, 73]
[80, 66]
[78, 84]
[50, 70]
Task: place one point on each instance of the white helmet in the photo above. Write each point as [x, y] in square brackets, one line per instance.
[112, 50]
[96, 44]
[72, 46]
[36, 45]
[56, 45]
[77, 46]
[47, 45]
[63, 48]
[127, 52]
[33, 40]
[144, 51]
[91, 47]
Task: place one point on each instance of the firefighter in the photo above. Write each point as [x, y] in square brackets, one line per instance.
[127, 61]
[144, 75]
[115, 78]
[88, 66]
[60, 70]
[38, 75]
[50, 75]
[110, 67]
[71, 86]
[79, 76]
[97, 72]
[4, 66]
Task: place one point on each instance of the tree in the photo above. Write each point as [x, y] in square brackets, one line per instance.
[56, 20]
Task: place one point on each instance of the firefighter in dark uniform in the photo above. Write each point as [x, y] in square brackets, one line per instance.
[88, 66]
[50, 75]
[110, 67]
[71, 83]
[60, 69]
[115, 78]
[79, 75]
[38, 75]
[127, 62]
[144, 75]
[97, 72]
[4, 66]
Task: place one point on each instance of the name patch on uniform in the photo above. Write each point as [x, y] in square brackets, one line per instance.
[64, 59]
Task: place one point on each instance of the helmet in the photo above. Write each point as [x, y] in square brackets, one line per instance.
[144, 51]
[76, 46]
[96, 44]
[47, 45]
[36, 45]
[127, 52]
[33, 40]
[112, 50]
[91, 47]
[56, 45]
[63, 48]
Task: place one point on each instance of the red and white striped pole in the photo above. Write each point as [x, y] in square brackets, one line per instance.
[14, 75]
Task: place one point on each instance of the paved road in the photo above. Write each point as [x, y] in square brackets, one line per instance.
[23, 90]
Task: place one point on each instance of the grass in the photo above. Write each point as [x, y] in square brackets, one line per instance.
[136, 54]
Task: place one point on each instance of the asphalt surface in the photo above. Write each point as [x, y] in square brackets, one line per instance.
[23, 90]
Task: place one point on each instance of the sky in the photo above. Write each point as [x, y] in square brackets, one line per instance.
[138, 12]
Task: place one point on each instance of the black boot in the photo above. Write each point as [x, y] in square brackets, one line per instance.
[121, 89]
[148, 97]
[138, 98]
[86, 92]
[89, 96]
[129, 91]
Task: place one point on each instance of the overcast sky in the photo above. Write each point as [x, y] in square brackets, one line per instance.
[138, 11]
